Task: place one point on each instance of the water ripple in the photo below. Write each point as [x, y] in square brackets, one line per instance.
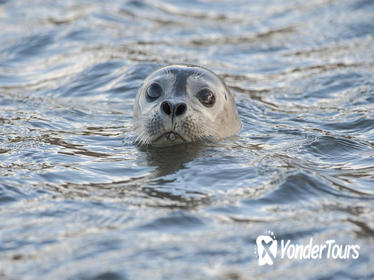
[79, 201]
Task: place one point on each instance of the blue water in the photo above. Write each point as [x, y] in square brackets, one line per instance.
[79, 201]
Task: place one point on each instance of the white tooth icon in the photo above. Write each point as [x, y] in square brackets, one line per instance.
[266, 249]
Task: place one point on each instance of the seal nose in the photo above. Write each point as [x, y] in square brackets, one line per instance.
[176, 110]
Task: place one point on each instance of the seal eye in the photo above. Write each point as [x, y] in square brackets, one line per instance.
[153, 92]
[206, 97]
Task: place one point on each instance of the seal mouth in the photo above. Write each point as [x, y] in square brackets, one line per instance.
[170, 137]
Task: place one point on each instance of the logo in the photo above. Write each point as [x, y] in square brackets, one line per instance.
[267, 247]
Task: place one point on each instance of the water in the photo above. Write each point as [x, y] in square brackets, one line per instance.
[79, 201]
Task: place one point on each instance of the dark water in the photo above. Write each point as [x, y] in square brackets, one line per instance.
[79, 201]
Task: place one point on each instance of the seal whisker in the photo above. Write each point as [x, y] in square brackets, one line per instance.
[142, 139]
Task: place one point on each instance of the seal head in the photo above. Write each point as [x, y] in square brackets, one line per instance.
[182, 104]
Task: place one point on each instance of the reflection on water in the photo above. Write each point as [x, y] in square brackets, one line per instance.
[79, 201]
[169, 160]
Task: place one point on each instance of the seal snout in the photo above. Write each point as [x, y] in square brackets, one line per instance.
[173, 110]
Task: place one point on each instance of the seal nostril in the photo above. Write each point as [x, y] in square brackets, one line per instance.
[170, 109]
[166, 107]
[180, 109]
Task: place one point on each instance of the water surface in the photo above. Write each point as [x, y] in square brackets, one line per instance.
[79, 201]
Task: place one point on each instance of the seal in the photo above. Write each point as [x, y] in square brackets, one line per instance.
[181, 104]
